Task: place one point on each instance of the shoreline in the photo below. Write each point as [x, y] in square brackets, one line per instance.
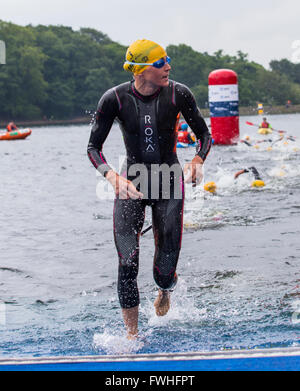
[244, 111]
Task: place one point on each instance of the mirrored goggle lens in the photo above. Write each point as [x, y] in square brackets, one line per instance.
[160, 63]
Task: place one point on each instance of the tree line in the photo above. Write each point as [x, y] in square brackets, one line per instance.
[56, 72]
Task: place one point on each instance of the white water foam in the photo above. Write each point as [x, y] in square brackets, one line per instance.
[116, 344]
[183, 308]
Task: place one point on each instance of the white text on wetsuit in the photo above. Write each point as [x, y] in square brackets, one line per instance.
[149, 134]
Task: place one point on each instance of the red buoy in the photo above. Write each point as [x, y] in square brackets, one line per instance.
[224, 106]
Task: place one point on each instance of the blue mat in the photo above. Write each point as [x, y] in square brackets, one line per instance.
[253, 360]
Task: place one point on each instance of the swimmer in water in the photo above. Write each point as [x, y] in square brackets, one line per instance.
[258, 182]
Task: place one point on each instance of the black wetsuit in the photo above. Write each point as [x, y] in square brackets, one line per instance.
[148, 126]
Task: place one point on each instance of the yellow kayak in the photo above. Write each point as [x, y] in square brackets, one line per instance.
[265, 131]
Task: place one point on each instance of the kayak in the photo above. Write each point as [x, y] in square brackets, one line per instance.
[185, 145]
[265, 131]
[15, 135]
[183, 136]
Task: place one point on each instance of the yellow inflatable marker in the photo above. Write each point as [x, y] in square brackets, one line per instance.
[258, 183]
[210, 187]
[260, 109]
[191, 225]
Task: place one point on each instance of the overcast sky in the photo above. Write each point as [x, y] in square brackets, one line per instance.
[265, 29]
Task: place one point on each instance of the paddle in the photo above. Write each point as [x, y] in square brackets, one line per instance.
[276, 130]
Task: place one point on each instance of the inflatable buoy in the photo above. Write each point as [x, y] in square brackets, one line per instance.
[210, 187]
[191, 225]
[281, 173]
[258, 183]
[260, 109]
[223, 99]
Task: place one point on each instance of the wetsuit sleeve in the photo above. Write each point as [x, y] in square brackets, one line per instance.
[188, 107]
[105, 115]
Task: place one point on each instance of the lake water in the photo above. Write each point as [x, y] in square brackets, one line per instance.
[239, 269]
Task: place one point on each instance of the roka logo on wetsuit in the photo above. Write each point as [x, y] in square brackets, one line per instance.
[148, 134]
[149, 144]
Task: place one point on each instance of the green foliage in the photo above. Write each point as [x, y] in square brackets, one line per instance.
[57, 72]
[285, 67]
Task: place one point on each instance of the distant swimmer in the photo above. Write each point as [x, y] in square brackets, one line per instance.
[247, 142]
[11, 127]
[147, 109]
[258, 182]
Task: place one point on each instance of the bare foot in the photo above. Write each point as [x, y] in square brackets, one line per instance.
[130, 316]
[162, 303]
[132, 337]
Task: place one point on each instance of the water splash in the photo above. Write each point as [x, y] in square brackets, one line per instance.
[116, 344]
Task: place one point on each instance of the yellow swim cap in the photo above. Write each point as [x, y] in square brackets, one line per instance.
[142, 51]
[211, 187]
[258, 183]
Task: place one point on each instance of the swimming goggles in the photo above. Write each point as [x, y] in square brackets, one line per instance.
[157, 64]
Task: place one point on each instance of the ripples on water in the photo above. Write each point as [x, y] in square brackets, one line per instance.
[239, 274]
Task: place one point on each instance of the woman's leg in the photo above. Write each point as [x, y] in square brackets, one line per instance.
[128, 222]
[167, 225]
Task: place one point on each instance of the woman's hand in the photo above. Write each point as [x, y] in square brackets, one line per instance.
[193, 171]
[124, 189]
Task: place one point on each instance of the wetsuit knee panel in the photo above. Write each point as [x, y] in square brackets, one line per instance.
[164, 269]
[128, 248]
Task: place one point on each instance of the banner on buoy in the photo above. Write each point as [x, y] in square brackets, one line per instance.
[224, 106]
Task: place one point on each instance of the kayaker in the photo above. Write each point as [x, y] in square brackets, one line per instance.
[147, 108]
[184, 135]
[11, 127]
[265, 124]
